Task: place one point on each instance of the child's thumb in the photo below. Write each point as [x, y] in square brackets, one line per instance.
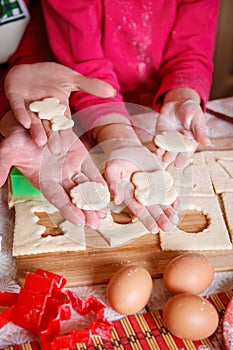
[95, 87]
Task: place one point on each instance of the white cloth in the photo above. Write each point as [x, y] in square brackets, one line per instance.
[12, 26]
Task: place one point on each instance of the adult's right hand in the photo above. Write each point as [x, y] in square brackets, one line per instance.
[26, 83]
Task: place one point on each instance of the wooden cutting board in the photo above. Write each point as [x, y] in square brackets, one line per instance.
[100, 261]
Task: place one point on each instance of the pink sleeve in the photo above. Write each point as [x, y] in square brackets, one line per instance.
[4, 103]
[74, 30]
[188, 58]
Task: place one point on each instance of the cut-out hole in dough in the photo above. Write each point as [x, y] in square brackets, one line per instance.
[47, 221]
[193, 221]
[124, 217]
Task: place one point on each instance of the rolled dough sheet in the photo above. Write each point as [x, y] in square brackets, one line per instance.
[28, 233]
[214, 237]
[220, 165]
[194, 178]
[223, 106]
[227, 199]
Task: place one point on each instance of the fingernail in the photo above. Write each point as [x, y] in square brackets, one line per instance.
[154, 229]
[80, 223]
[102, 215]
[114, 93]
[118, 201]
[93, 227]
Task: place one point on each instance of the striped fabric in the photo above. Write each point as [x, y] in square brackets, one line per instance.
[147, 332]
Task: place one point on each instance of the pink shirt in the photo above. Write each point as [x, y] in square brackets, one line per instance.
[142, 48]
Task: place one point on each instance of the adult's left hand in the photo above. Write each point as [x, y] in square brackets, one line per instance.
[53, 175]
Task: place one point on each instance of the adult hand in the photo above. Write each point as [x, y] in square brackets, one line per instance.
[26, 83]
[181, 111]
[52, 174]
[124, 158]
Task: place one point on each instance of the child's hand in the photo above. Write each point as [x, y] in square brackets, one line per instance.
[31, 82]
[52, 175]
[181, 111]
[124, 158]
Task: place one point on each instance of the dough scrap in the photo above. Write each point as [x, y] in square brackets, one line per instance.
[118, 234]
[74, 233]
[222, 105]
[173, 141]
[51, 109]
[154, 187]
[194, 178]
[214, 237]
[220, 165]
[227, 200]
[90, 196]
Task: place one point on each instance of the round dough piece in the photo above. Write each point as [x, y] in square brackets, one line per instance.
[174, 141]
[90, 196]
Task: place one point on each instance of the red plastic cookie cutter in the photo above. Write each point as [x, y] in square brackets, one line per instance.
[41, 305]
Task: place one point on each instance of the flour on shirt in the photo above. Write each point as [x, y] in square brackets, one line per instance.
[140, 32]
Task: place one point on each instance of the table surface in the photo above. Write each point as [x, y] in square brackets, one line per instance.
[11, 334]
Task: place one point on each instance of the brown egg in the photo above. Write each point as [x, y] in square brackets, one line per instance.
[188, 272]
[190, 317]
[129, 290]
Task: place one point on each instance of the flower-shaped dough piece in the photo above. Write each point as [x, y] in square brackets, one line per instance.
[51, 109]
[173, 141]
[60, 122]
[154, 188]
[90, 196]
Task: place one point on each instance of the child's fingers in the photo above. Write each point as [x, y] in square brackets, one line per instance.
[144, 215]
